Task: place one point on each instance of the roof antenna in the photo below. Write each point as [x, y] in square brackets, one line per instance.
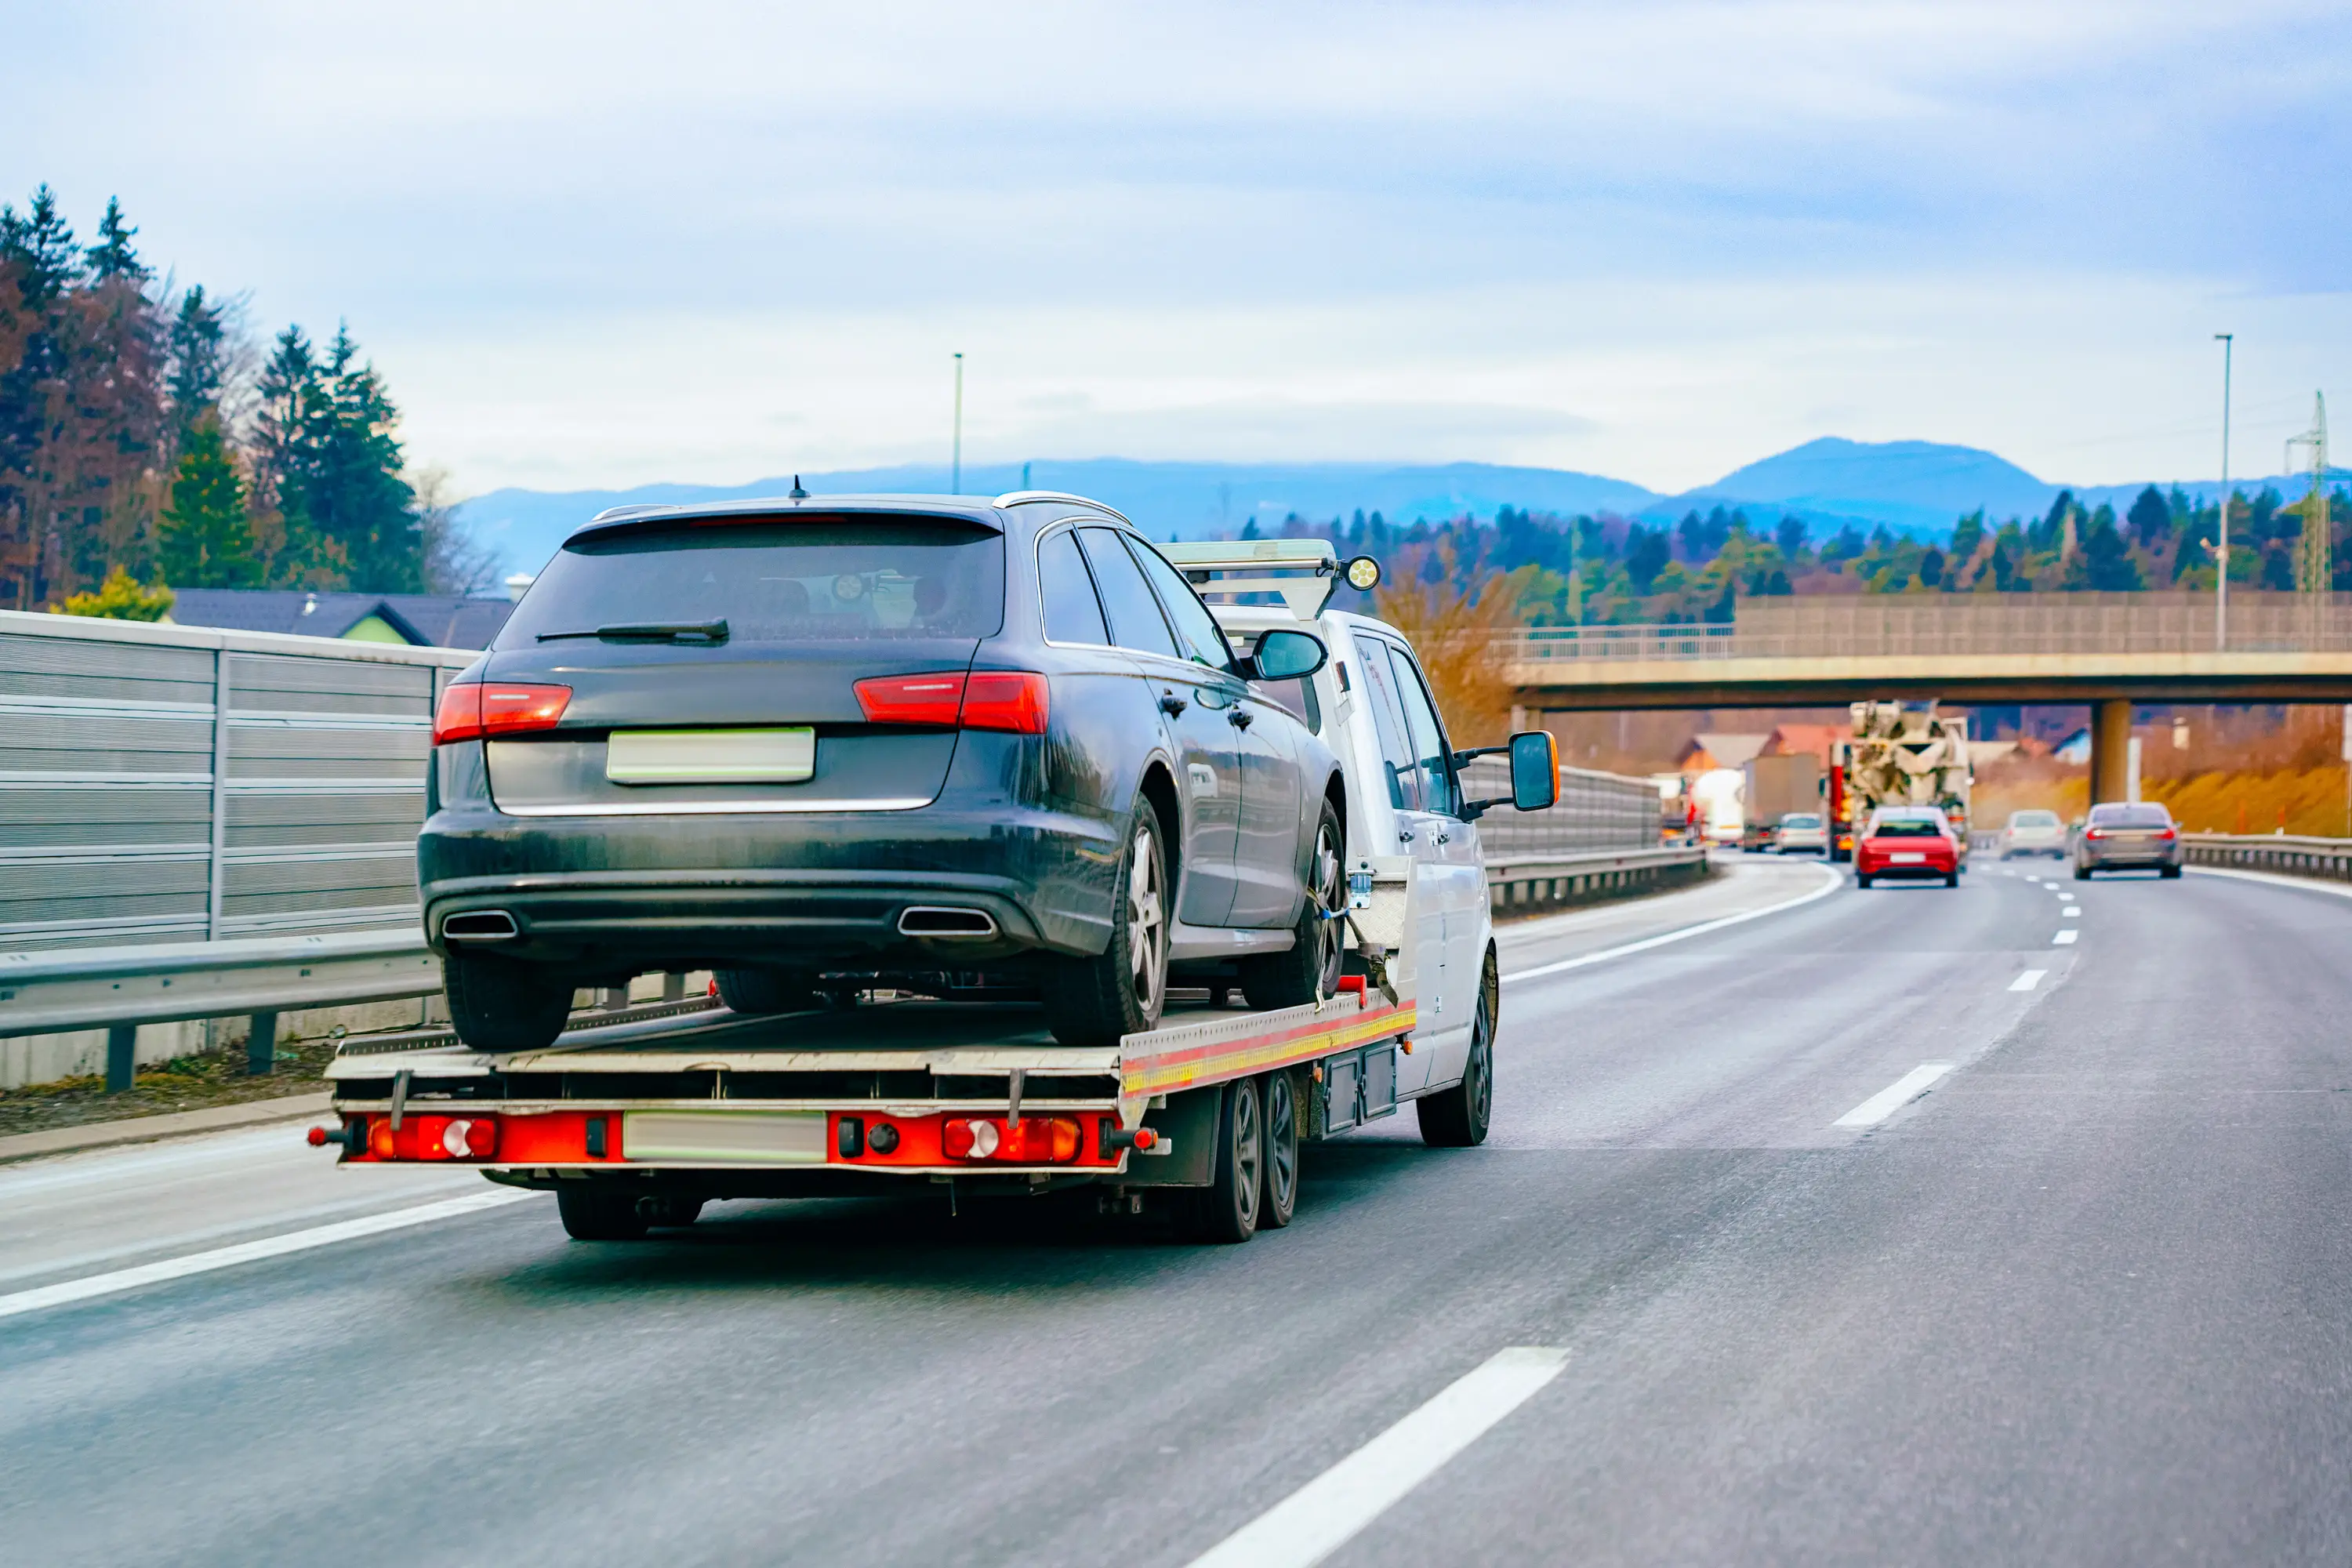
[798, 493]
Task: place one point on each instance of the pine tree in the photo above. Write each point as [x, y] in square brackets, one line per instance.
[199, 359]
[2149, 518]
[112, 257]
[206, 540]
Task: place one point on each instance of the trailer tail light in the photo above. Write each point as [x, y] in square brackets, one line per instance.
[471, 1139]
[434, 1138]
[1007, 700]
[1032, 1141]
[479, 709]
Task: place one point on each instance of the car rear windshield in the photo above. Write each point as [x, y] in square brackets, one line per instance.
[2131, 816]
[819, 580]
[2036, 818]
[1806, 819]
[1906, 828]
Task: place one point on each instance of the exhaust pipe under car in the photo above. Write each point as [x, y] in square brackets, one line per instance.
[928, 920]
[479, 925]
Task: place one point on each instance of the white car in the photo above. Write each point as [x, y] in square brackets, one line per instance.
[2034, 833]
[1802, 833]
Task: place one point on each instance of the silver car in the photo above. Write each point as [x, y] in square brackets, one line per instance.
[1801, 833]
[2034, 833]
[2134, 837]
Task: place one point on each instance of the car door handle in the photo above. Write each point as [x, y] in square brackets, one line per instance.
[1443, 836]
[1238, 721]
[1172, 704]
[1404, 835]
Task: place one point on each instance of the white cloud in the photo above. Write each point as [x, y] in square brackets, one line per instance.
[613, 243]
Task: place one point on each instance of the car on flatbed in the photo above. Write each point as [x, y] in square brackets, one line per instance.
[819, 745]
[957, 1078]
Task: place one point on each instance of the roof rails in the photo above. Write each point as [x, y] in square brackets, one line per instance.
[1022, 498]
[1305, 571]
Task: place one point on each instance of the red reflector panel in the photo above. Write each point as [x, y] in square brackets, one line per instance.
[1005, 700]
[912, 698]
[1032, 1141]
[496, 707]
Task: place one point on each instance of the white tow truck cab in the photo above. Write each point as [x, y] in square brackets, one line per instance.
[638, 1124]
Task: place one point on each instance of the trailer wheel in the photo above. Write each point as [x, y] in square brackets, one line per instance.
[1091, 1002]
[497, 1005]
[757, 991]
[592, 1213]
[1227, 1209]
[1280, 1201]
[1457, 1118]
[1310, 970]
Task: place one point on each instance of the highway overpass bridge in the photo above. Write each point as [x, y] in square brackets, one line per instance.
[2108, 651]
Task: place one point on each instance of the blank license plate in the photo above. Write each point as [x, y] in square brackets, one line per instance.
[732, 1136]
[710, 756]
[1908, 857]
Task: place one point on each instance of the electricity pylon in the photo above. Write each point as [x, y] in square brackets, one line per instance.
[2314, 569]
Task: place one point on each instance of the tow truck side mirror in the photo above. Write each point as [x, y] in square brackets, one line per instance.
[1535, 769]
[1285, 655]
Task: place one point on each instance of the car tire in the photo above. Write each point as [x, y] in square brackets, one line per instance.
[753, 991]
[1861, 879]
[1309, 971]
[590, 1213]
[1227, 1209]
[498, 1005]
[1953, 881]
[1458, 1118]
[2081, 873]
[2167, 872]
[1091, 1002]
[1278, 1094]
[669, 1210]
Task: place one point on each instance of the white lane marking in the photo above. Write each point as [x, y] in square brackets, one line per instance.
[2064, 938]
[2277, 880]
[1326, 1512]
[1894, 1095]
[73, 1290]
[1830, 884]
[2028, 981]
[2074, 911]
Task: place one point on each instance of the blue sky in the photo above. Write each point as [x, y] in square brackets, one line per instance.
[608, 245]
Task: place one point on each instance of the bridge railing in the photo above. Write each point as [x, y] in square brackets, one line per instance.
[1961, 625]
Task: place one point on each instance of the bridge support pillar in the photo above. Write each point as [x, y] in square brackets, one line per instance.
[2111, 724]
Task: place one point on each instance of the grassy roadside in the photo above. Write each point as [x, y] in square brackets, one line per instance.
[184, 1083]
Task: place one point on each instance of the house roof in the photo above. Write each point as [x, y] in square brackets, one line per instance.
[1727, 749]
[1790, 739]
[423, 620]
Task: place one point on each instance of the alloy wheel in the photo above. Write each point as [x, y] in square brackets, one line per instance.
[1249, 1147]
[1329, 897]
[1146, 923]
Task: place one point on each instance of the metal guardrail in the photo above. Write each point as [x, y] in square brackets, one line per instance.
[1551, 880]
[1957, 625]
[119, 988]
[1595, 811]
[2330, 858]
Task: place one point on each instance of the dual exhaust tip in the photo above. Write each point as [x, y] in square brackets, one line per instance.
[922, 920]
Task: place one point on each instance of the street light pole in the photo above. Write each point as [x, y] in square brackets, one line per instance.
[955, 471]
[2221, 550]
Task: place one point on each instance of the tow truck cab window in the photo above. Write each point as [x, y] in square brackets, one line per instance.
[1073, 613]
[1388, 723]
[1202, 641]
[1429, 755]
[1135, 619]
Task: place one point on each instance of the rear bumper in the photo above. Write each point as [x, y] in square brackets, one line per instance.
[2119, 858]
[642, 893]
[1929, 870]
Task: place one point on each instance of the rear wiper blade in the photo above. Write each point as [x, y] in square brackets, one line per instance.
[649, 631]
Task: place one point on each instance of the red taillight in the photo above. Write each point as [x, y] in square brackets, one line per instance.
[2167, 832]
[1014, 700]
[1032, 1141]
[483, 707]
[2098, 831]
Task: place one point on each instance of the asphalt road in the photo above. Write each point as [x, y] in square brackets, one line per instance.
[2082, 1300]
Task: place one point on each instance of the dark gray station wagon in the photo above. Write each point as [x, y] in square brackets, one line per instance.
[826, 743]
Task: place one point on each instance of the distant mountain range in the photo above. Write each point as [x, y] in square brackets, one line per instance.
[1915, 488]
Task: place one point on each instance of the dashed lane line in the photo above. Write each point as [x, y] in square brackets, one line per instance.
[1894, 1095]
[2064, 938]
[1329, 1512]
[122, 1280]
[2028, 980]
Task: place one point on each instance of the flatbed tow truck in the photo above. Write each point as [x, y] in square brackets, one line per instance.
[637, 1125]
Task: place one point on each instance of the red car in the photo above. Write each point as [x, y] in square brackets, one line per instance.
[1906, 841]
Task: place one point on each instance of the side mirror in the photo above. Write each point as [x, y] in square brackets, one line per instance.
[1285, 656]
[1535, 769]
